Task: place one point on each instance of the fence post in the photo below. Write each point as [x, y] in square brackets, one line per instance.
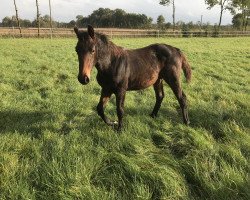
[13, 34]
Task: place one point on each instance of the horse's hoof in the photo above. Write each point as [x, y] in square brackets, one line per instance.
[153, 115]
[112, 123]
[119, 129]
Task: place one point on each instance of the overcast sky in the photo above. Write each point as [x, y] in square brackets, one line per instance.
[66, 10]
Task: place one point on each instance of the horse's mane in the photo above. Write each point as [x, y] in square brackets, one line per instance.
[84, 36]
[103, 38]
[114, 49]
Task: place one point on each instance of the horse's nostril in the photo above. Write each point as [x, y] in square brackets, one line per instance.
[83, 79]
[86, 79]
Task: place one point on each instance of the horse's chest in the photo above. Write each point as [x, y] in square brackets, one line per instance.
[102, 79]
[105, 80]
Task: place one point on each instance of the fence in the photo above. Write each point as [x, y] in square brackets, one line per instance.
[124, 33]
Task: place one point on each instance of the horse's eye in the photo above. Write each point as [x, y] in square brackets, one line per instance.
[92, 51]
[78, 51]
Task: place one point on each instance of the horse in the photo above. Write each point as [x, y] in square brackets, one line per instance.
[120, 70]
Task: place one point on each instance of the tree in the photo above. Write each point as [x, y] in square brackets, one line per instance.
[118, 18]
[167, 25]
[102, 17]
[18, 22]
[12, 21]
[72, 23]
[105, 17]
[244, 7]
[7, 22]
[78, 20]
[224, 5]
[50, 19]
[38, 17]
[185, 30]
[44, 21]
[167, 3]
[79, 17]
[26, 23]
[160, 21]
[149, 22]
[237, 21]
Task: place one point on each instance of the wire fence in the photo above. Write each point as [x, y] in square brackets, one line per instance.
[117, 33]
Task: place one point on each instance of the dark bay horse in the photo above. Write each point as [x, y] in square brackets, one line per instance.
[121, 70]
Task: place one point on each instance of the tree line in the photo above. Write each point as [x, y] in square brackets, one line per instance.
[239, 8]
[108, 18]
[234, 6]
[102, 17]
[119, 19]
[26, 23]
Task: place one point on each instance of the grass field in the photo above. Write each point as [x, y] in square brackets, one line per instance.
[54, 146]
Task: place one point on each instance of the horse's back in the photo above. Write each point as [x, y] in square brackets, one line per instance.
[143, 67]
[156, 56]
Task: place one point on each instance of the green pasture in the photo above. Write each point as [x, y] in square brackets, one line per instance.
[53, 145]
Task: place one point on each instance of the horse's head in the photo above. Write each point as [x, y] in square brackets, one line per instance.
[85, 49]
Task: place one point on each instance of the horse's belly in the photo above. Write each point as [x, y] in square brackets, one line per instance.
[142, 83]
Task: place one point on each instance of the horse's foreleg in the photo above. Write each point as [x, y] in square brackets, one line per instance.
[159, 94]
[120, 98]
[105, 96]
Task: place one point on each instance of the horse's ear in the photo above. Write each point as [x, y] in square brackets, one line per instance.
[76, 30]
[91, 31]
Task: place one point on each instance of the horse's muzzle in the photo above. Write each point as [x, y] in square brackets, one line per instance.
[83, 79]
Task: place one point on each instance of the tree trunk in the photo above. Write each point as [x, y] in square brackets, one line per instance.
[246, 23]
[38, 18]
[245, 18]
[221, 12]
[173, 16]
[220, 19]
[50, 20]
[18, 22]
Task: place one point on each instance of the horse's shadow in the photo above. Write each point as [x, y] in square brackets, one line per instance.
[213, 120]
[25, 122]
[35, 122]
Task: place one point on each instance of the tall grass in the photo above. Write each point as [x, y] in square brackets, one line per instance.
[54, 146]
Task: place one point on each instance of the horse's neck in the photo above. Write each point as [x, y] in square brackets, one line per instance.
[116, 51]
[107, 53]
[103, 56]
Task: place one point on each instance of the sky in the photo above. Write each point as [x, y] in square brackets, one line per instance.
[67, 10]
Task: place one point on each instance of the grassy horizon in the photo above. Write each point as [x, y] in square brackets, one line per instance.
[53, 145]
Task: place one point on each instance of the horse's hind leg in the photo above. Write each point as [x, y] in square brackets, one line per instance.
[159, 94]
[174, 83]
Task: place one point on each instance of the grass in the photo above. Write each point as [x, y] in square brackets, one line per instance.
[54, 146]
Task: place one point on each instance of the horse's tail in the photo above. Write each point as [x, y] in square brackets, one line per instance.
[186, 67]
